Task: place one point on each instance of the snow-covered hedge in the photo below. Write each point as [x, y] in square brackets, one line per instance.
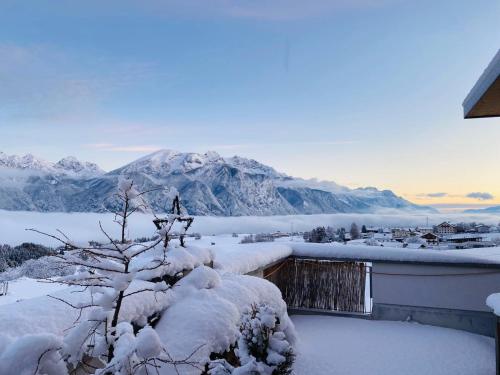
[141, 308]
[200, 315]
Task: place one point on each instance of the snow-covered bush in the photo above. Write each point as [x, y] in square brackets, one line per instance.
[415, 240]
[114, 273]
[32, 354]
[247, 239]
[264, 237]
[41, 268]
[139, 353]
[155, 307]
[373, 242]
[262, 347]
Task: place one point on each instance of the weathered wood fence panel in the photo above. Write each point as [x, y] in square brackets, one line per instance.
[320, 284]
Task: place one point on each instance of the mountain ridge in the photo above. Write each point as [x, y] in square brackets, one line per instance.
[209, 184]
[486, 210]
[68, 164]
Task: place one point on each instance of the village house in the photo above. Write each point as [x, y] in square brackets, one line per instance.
[465, 241]
[279, 234]
[430, 238]
[399, 234]
[445, 229]
[424, 229]
[481, 228]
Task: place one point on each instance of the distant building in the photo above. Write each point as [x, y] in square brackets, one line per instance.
[445, 229]
[401, 233]
[424, 229]
[482, 228]
[465, 241]
[430, 238]
[279, 234]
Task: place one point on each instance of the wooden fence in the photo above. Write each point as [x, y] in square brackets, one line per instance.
[321, 284]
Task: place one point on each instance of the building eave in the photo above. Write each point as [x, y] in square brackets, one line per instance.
[484, 98]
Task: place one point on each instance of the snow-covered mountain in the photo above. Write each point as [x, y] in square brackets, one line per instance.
[67, 165]
[27, 161]
[208, 183]
[70, 164]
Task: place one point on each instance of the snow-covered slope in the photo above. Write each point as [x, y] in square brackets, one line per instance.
[209, 185]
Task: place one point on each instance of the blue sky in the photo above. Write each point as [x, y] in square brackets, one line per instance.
[362, 92]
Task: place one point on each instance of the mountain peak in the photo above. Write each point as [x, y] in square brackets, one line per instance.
[253, 166]
[163, 154]
[166, 161]
[73, 165]
[30, 162]
[27, 161]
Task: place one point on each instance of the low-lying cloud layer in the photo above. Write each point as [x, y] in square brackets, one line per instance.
[433, 195]
[82, 227]
[480, 196]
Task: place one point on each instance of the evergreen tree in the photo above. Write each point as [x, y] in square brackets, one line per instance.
[354, 231]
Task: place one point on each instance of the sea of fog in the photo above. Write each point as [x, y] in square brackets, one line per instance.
[82, 227]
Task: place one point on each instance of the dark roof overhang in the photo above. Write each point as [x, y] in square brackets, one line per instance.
[484, 98]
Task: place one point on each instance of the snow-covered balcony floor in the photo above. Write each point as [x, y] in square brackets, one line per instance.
[336, 345]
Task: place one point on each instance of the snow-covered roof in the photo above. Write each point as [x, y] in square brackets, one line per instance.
[471, 257]
[493, 302]
[461, 236]
[484, 98]
[250, 257]
[445, 224]
[245, 258]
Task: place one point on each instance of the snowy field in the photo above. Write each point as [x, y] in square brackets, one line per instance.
[346, 346]
[84, 226]
[327, 344]
[26, 288]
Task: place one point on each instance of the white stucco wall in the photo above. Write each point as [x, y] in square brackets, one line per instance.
[467, 292]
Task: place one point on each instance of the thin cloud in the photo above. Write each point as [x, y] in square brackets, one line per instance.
[270, 10]
[239, 146]
[267, 10]
[117, 148]
[433, 195]
[482, 196]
